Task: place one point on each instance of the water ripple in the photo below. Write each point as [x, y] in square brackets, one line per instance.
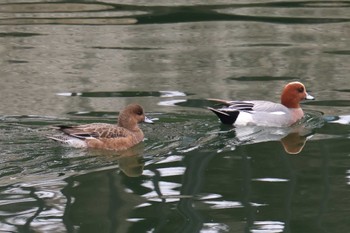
[114, 14]
[215, 227]
[108, 94]
[26, 207]
[224, 204]
[270, 179]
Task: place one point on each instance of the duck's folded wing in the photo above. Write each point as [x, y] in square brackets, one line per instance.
[254, 105]
[240, 106]
[269, 107]
[96, 130]
[236, 105]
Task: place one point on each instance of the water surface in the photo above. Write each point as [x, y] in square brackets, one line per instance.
[78, 62]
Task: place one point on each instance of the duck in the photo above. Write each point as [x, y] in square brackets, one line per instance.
[265, 113]
[121, 136]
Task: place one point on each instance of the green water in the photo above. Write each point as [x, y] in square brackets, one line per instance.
[77, 62]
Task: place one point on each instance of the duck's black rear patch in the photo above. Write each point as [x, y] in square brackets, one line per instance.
[226, 117]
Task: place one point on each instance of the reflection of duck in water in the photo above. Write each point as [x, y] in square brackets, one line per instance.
[132, 166]
[293, 139]
[131, 161]
[103, 200]
[294, 143]
[107, 136]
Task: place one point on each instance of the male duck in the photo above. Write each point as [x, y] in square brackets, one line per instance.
[121, 136]
[265, 113]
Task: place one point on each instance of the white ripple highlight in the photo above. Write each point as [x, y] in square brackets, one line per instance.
[69, 93]
[167, 94]
[270, 179]
[268, 227]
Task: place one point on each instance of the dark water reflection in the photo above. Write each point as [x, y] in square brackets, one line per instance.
[104, 13]
[78, 62]
[183, 180]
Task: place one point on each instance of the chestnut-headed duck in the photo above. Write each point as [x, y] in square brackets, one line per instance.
[265, 113]
[120, 136]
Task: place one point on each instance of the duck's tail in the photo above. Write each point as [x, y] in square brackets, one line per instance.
[221, 101]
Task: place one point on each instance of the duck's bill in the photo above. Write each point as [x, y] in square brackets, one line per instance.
[147, 120]
[309, 97]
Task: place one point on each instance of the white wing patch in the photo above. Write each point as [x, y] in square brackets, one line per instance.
[244, 118]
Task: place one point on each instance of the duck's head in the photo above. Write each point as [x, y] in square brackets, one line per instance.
[293, 93]
[131, 115]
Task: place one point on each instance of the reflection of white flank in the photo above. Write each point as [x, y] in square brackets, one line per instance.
[267, 226]
[171, 94]
[170, 102]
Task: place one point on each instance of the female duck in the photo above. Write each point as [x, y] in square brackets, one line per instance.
[121, 136]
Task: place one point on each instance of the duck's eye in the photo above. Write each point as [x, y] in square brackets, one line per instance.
[301, 89]
[139, 112]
